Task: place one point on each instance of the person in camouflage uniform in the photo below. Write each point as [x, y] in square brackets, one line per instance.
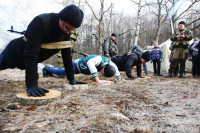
[73, 36]
[180, 39]
[110, 46]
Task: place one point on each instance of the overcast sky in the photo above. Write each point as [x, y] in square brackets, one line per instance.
[19, 13]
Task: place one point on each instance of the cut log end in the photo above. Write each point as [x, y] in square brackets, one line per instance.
[52, 96]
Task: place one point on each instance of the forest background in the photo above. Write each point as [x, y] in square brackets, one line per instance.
[136, 22]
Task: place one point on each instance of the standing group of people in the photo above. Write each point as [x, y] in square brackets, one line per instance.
[180, 47]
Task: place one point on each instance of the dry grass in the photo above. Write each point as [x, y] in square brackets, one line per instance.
[141, 106]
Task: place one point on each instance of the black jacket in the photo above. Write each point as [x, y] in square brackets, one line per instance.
[26, 55]
[126, 63]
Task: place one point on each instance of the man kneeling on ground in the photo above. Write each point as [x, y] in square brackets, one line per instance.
[127, 61]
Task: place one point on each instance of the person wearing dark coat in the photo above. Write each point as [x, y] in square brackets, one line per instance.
[45, 30]
[137, 48]
[127, 61]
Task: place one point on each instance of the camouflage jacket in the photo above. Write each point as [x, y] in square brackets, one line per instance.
[182, 42]
[110, 47]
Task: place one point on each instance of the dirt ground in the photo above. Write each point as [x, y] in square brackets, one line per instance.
[155, 104]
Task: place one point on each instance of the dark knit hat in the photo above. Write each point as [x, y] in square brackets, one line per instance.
[72, 15]
[182, 22]
[109, 70]
[113, 34]
[146, 56]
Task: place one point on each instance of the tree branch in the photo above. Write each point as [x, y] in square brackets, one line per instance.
[134, 2]
[196, 27]
[125, 32]
[185, 10]
[91, 10]
[193, 22]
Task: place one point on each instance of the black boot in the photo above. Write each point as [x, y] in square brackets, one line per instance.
[169, 75]
[45, 73]
[181, 75]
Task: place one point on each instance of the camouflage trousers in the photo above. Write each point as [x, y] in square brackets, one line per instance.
[180, 55]
[174, 64]
[59, 60]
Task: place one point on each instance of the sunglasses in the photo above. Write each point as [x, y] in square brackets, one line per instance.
[67, 28]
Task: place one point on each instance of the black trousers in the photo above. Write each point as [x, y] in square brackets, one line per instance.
[156, 66]
[198, 65]
[195, 65]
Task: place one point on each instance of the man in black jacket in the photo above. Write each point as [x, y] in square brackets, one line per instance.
[43, 38]
[127, 61]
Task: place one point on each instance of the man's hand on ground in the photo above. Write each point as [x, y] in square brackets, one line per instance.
[36, 91]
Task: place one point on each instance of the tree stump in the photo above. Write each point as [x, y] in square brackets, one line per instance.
[24, 99]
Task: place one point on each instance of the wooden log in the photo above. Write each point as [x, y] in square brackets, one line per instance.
[24, 99]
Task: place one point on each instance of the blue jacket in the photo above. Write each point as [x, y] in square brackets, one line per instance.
[156, 54]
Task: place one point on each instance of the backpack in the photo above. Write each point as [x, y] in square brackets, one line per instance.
[190, 50]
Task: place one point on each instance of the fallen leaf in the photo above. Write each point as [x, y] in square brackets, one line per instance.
[185, 97]
[1, 124]
[32, 108]
[74, 103]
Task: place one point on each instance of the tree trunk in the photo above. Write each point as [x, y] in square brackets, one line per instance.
[138, 23]
[159, 21]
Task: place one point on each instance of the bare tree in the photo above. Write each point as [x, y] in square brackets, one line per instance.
[100, 20]
[137, 31]
[161, 14]
[138, 23]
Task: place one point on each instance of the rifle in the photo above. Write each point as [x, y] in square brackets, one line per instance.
[11, 30]
[74, 51]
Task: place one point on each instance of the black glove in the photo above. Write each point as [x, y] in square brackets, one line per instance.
[73, 82]
[36, 91]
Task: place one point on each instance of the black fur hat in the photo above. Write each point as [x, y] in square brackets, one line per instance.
[113, 34]
[72, 15]
[109, 70]
[182, 22]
